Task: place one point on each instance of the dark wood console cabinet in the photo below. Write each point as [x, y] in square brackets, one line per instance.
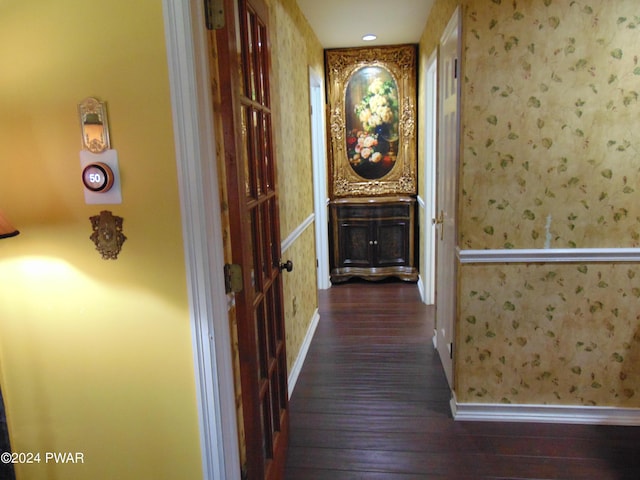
[373, 238]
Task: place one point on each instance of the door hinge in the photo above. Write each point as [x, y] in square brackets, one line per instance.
[214, 14]
[232, 278]
[451, 350]
[455, 68]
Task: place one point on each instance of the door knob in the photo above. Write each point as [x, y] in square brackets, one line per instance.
[288, 266]
[439, 221]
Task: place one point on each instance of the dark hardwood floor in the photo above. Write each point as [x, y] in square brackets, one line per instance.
[372, 403]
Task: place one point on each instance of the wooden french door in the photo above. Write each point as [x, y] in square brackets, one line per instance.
[244, 71]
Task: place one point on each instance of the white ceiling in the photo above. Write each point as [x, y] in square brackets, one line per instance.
[342, 23]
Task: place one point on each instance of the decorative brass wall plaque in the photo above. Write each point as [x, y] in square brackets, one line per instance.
[372, 100]
[107, 234]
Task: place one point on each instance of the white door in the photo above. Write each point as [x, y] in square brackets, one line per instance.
[320, 196]
[428, 267]
[447, 189]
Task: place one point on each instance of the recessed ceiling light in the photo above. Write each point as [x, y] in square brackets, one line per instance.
[369, 37]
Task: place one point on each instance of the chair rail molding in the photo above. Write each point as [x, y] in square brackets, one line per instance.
[557, 255]
[299, 230]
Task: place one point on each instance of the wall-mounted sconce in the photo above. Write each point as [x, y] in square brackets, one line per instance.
[6, 229]
[107, 234]
[94, 126]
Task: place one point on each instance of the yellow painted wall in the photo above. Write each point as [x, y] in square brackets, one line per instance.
[95, 355]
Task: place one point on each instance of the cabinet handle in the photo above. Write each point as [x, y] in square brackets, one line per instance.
[375, 242]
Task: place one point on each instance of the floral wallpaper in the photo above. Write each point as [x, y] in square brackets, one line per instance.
[549, 334]
[300, 293]
[295, 48]
[549, 159]
[550, 107]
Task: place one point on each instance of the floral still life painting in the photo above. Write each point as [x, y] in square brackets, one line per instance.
[372, 97]
[372, 126]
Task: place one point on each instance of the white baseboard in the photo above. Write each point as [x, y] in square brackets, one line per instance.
[427, 297]
[302, 354]
[421, 289]
[575, 414]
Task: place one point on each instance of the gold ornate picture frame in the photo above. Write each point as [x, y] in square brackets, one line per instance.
[372, 101]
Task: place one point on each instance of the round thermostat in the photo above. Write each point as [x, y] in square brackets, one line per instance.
[97, 177]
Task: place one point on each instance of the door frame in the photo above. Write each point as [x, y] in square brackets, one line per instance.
[430, 145]
[201, 222]
[320, 194]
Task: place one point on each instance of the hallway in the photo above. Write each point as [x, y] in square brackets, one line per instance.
[372, 403]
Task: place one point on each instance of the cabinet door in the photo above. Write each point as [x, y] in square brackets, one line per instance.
[354, 243]
[391, 243]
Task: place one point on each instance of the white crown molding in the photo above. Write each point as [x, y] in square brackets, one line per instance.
[556, 255]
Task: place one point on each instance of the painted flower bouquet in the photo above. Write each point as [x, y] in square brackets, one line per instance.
[379, 107]
[370, 148]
